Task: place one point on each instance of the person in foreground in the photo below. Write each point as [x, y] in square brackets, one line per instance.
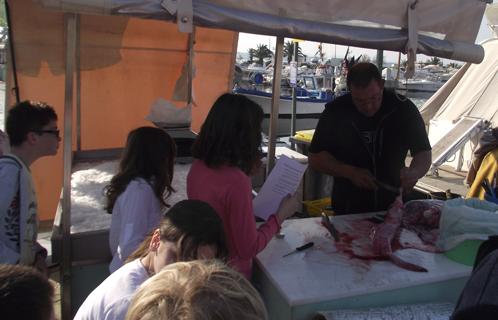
[478, 299]
[227, 153]
[197, 290]
[25, 294]
[135, 195]
[33, 133]
[190, 230]
[363, 137]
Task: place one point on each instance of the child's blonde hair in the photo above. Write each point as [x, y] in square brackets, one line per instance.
[197, 290]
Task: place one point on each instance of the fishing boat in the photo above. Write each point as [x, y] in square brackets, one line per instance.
[418, 88]
[311, 97]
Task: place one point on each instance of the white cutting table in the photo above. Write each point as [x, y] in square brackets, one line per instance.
[320, 278]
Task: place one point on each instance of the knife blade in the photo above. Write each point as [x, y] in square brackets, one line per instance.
[330, 227]
[301, 248]
[386, 186]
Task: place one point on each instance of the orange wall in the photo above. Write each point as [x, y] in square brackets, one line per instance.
[126, 64]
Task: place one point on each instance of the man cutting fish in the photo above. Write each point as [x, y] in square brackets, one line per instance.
[362, 139]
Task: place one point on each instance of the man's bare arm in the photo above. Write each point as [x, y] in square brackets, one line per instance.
[419, 166]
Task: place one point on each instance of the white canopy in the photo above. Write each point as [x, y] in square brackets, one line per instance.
[492, 16]
[474, 95]
[443, 28]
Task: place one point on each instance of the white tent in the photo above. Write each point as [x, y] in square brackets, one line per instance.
[443, 28]
[475, 95]
[472, 92]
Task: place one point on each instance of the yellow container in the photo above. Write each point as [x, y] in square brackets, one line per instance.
[314, 208]
[304, 135]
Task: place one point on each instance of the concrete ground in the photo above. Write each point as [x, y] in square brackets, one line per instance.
[44, 234]
[447, 178]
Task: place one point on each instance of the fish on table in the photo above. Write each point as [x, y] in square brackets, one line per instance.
[414, 225]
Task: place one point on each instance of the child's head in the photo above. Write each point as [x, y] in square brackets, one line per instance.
[25, 294]
[149, 154]
[190, 230]
[29, 117]
[197, 290]
[231, 133]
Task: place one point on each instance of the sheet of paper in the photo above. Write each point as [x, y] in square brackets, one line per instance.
[283, 180]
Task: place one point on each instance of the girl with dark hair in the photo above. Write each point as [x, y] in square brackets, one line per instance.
[135, 195]
[227, 153]
[190, 230]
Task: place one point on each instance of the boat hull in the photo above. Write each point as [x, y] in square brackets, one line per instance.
[308, 112]
[418, 88]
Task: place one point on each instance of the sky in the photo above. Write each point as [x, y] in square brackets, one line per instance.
[309, 48]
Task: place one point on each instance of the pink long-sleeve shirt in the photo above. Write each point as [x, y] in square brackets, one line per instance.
[228, 190]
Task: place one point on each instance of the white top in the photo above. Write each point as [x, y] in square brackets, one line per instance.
[110, 300]
[18, 213]
[137, 212]
[9, 218]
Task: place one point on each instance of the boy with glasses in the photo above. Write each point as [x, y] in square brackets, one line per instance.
[33, 133]
[362, 139]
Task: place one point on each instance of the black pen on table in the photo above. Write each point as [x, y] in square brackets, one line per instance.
[299, 249]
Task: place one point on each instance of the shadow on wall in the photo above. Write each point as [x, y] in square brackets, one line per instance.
[98, 33]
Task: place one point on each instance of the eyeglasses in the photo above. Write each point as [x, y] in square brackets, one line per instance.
[55, 132]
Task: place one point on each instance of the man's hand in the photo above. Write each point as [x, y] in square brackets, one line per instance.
[288, 206]
[408, 179]
[362, 178]
[326, 163]
[421, 162]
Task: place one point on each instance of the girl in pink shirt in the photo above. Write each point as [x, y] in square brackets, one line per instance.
[227, 152]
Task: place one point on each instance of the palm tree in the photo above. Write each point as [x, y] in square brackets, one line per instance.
[289, 50]
[455, 65]
[434, 60]
[251, 52]
[3, 20]
[262, 52]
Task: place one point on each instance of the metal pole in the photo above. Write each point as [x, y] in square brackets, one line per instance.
[293, 114]
[78, 86]
[71, 21]
[380, 59]
[190, 71]
[275, 102]
[399, 66]
[231, 79]
[15, 89]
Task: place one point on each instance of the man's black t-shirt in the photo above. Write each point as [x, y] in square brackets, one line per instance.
[379, 144]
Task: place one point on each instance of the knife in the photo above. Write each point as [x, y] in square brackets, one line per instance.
[330, 227]
[301, 248]
[386, 186]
